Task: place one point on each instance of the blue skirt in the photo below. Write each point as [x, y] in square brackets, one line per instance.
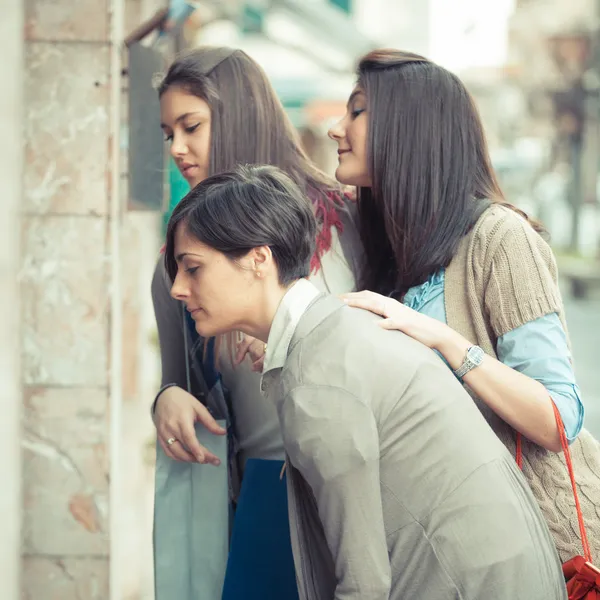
[260, 564]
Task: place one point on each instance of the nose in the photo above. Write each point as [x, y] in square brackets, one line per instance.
[180, 290]
[178, 146]
[338, 131]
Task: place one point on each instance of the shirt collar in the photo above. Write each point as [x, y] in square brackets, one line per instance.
[288, 315]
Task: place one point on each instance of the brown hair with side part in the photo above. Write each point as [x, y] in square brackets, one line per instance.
[250, 126]
[430, 169]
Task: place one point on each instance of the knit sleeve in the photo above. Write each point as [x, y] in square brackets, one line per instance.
[520, 275]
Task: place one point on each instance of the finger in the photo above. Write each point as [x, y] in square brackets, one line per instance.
[259, 364]
[202, 455]
[176, 451]
[369, 304]
[165, 448]
[212, 459]
[204, 417]
[354, 295]
[363, 295]
[242, 350]
[180, 453]
[187, 436]
[257, 351]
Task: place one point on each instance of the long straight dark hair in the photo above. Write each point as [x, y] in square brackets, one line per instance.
[430, 169]
[250, 126]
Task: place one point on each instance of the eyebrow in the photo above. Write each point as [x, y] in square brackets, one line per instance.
[181, 256]
[353, 95]
[181, 118]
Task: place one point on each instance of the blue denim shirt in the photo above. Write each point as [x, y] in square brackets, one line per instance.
[537, 349]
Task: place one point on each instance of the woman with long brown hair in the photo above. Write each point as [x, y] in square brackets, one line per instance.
[449, 263]
[218, 110]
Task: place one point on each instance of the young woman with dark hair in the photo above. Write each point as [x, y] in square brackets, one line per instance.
[451, 264]
[397, 486]
[219, 110]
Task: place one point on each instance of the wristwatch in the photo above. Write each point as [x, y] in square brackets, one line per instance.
[473, 359]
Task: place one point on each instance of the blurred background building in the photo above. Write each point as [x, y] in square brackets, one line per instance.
[86, 199]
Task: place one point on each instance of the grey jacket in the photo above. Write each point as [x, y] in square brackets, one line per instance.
[398, 488]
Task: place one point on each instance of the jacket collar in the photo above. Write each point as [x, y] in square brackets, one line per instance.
[319, 310]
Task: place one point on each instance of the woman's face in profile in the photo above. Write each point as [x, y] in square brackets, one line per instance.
[185, 121]
[351, 136]
[219, 294]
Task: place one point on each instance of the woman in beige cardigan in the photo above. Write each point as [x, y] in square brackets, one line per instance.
[465, 274]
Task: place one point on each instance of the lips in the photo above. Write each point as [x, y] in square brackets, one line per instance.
[186, 168]
[340, 152]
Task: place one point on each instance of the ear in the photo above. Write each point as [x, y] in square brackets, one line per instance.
[261, 259]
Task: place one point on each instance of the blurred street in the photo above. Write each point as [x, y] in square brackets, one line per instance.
[583, 317]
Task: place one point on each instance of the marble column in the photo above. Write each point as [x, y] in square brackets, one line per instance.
[88, 364]
[66, 303]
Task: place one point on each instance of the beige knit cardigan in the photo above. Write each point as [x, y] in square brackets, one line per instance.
[504, 275]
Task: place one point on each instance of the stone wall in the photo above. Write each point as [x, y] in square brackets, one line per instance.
[65, 300]
[11, 192]
[86, 432]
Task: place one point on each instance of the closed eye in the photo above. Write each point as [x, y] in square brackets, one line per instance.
[357, 112]
[190, 129]
[191, 270]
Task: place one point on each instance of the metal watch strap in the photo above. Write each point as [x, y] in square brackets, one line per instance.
[473, 359]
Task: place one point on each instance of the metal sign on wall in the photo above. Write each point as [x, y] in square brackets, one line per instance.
[146, 141]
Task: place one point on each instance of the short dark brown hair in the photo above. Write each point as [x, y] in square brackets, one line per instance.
[248, 207]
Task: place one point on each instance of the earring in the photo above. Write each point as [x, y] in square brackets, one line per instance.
[258, 274]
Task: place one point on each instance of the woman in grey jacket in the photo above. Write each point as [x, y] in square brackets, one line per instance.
[396, 490]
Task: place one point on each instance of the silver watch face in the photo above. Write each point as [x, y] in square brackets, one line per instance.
[475, 355]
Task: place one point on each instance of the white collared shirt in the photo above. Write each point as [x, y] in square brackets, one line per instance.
[293, 305]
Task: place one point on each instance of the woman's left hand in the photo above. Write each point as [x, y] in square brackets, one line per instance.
[422, 328]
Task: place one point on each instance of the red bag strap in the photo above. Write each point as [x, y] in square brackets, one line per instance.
[565, 447]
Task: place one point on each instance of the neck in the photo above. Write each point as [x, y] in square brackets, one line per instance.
[261, 326]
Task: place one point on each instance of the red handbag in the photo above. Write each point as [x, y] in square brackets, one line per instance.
[581, 576]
